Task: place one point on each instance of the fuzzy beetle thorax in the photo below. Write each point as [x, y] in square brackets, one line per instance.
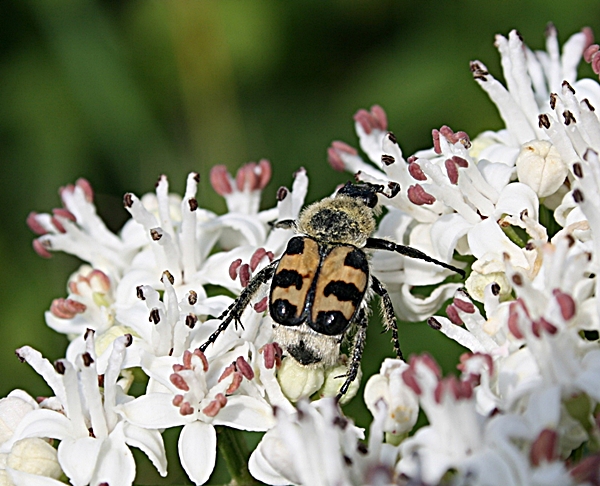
[338, 219]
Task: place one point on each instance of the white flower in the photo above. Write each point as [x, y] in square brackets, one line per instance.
[25, 461]
[93, 439]
[198, 394]
[317, 445]
[402, 404]
[530, 78]
[456, 429]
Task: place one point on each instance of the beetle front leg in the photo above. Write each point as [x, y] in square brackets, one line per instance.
[234, 311]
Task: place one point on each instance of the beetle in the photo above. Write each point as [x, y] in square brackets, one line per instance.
[321, 285]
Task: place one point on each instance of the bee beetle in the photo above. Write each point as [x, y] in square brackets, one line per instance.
[321, 285]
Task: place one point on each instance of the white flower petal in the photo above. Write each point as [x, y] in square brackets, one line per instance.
[153, 411]
[198, 450]
[78, 458]
[150, 442]
[20, 478]
[44, 423]
[246, 413]
[261, 469]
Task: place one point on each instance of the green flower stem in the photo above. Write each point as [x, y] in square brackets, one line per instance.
[232, 447]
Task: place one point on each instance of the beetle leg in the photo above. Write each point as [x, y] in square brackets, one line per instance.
[389, 316]
[358, 347]
[409, 251]
[234, 311]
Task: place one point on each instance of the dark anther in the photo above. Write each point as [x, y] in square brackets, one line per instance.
[155, 234]
[543, 121]
[139, 293]
[59, 366]
[128, 200]
[577, 169]
[387, 159]
[193, 202]
[495, 289]
[433, 323]
[282, 192]
[87, 359]
[578, 196]
[192, 297]
[154, 316]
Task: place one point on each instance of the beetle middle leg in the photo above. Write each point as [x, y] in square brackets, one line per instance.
[389, 316]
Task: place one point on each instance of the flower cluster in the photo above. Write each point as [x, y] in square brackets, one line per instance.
[517, 208]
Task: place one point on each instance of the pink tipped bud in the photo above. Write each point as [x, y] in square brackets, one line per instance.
[428, 361]
[66, 308]
[452, 171]
[41, 248]
[219, 180]
[186, 409]
[64, 213]
[264, 173]
[380, 117]
[177, 400]
[272, 354]
[244, 274]
[544, 448]
[376, 119]
[34, 225]
[464, 305]
[235, 383]
[202, 357]
[547, 326]
[334, 154]
[234, 267]
[417, 195]
[566, 304]
[414, 169]
[257, 256]
[212, 409]
[410, 379]
[437, 147]
[261, 305]
[248, 177]
[58, 225]
[98, 280]
[187, 360]
[365, 120]
[179, 382]
[86, 187]
[227, 372]
[513, 321]
[587, 471]
[452, 314]
[244, 368]
[590, 52]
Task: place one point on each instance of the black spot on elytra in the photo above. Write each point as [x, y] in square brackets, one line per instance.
[357, 259]
[330, 323]
[295, 246]
[287, 278]
[343, 291]
[283, 312]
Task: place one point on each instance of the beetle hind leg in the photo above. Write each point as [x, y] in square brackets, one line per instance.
[360, 338]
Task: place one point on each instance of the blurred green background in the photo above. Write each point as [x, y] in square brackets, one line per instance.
[121, 91]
